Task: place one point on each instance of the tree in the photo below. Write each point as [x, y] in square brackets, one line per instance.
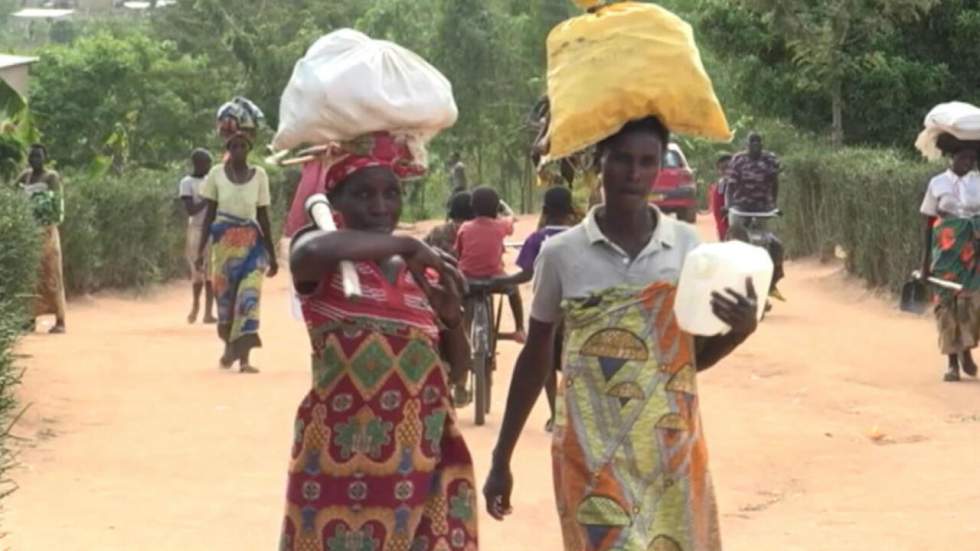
[252, 45]
[152, 104]
[829, 40]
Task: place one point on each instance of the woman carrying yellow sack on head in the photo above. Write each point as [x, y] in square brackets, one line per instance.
[629, 457]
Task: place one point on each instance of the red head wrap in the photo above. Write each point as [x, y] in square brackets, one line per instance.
[343, 159]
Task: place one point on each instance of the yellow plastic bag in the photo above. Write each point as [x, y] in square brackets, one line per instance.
[623, 62]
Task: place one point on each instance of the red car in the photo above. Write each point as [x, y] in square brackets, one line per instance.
[675, 191]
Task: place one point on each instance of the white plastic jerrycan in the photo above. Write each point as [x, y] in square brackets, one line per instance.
[714, 267]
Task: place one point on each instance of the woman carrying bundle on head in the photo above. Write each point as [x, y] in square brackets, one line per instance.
[237, 226]
[629, 458]
[951, 208]
[378, 461]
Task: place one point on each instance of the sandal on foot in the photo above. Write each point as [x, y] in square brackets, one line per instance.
[57, 330]
[952, 375]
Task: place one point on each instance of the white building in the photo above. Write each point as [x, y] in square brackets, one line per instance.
[14, 70]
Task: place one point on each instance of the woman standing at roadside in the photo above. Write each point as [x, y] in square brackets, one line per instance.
[242, 251]
[952, 211]
[43, 185]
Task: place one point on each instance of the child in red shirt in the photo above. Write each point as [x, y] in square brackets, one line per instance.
[480, 248]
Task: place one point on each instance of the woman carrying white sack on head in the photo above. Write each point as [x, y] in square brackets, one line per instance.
[377, 461]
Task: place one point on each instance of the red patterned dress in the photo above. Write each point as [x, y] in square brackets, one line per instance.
[378, 463]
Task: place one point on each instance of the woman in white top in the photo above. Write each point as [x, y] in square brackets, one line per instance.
[242, 251]
[952, 210]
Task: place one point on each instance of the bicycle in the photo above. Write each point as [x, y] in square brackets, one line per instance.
[484, 332]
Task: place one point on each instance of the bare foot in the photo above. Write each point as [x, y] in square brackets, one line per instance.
[192, 317]
[58, 329]
[520, 337]
[209, 319]
[248, 369]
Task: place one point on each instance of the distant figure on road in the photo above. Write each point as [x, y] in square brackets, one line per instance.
[557, 215]
[196, 207]
[952, 219]
[443, 236]
[457, 174]
[43, 186]
[242, 251]
[716, 197]
[752, 186]
[752, 180]
[480, 247]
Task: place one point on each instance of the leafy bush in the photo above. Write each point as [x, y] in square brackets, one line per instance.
[121, 231]
[18, 268]
[128, 231]
[864, 200]
[153, 104]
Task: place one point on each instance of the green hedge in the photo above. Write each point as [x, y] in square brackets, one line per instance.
[120, 231]
[128, 231]
[19, 260]
[864, 200]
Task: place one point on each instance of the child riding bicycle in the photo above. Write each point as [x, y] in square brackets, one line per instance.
[480, 247]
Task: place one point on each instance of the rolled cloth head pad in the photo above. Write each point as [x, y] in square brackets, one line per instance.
[622, 62]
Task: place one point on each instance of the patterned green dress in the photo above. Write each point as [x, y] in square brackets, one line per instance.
[954, 258]
[630, 461]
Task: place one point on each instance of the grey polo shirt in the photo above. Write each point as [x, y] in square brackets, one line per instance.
[582, 261]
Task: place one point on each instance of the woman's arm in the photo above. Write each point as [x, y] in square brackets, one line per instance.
[191, 207]
[927, 250]
[519, 278]
[455, 349]
[534, 364]
[262, 214]
[317, 252]
[54, 181]
[712, 350]
[209, 217]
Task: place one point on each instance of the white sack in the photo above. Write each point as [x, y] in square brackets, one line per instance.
[348, 85]
[961, 120]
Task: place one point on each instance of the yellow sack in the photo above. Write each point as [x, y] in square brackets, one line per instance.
[623, 62]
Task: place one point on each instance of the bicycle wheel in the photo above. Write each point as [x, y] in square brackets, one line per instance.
[492, 355]
[480, 387]
[480, 341]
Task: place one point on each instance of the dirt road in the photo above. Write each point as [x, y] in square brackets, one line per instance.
[831, 430]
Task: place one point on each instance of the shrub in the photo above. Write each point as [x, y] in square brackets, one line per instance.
[121, 231]
[18, 268]
[861, 199]
[128, 231]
